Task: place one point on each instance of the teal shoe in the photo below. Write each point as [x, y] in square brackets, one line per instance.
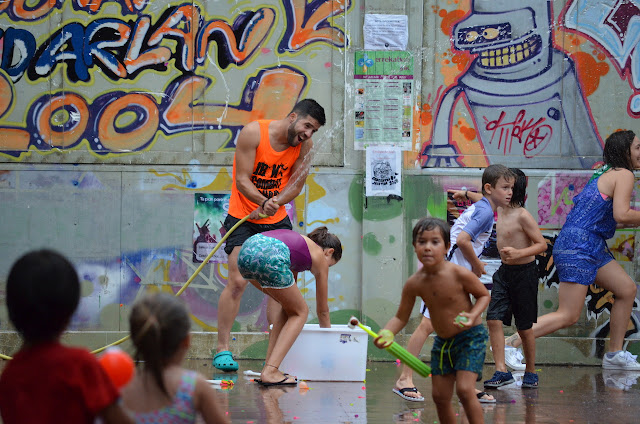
[224, 361]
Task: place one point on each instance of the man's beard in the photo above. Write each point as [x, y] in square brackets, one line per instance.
[292, 135]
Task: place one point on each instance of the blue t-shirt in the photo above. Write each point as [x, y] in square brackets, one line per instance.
[477, 221]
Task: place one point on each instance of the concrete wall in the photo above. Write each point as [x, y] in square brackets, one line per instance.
[114, 114]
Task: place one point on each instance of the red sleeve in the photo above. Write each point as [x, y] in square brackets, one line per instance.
[95, 385]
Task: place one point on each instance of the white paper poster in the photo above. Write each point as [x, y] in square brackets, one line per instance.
[385, 32]
[384, 171]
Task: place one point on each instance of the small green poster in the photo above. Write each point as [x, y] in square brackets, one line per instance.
[210, 212]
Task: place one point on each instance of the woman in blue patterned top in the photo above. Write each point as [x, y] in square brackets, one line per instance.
[581, 254]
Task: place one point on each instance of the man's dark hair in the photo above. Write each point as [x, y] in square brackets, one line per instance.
[43, 292]
[309, 107]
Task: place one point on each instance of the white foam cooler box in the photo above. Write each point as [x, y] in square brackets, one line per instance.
[338, 353]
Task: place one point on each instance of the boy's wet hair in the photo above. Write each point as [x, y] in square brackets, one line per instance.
[430, 223]
[309, 107]
[323, 238]
[519, 194]
[43, 292]
[492, 174]
[159, 323]
[617, 149]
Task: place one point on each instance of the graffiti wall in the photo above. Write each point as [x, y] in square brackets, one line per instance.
[114, 113]
[100, 80]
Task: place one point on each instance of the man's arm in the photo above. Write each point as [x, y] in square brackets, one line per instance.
[299, 172]
[245, 156]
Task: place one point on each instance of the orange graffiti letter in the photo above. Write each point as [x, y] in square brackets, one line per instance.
[34, 12]
[276, 94]
[305, 27]
[183, 24]
[74, 123]
[11, 138]
[130, 5]
[135, 60]
[254, 33]
[118, 138]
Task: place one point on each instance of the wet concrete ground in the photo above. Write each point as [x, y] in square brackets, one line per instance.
[565, 395]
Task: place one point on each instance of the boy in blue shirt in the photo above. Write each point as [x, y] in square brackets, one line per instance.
[472, 229]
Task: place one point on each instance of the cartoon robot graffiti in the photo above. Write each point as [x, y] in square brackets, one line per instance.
[522, 92]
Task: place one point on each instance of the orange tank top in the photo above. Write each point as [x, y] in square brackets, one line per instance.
[271, 173]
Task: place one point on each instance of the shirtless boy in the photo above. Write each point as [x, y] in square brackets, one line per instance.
[515, 284]
[459, 349]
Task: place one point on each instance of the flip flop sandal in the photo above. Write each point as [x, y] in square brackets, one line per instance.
[224, 361]
[289, 375]
[401, 393]
[481, 398]
[282, 382]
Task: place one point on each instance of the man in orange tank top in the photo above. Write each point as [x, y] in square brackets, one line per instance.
[268, 154]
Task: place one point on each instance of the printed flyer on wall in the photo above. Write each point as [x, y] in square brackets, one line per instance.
[384, 90]
[384, 171]
[209, 213]
[385, 32]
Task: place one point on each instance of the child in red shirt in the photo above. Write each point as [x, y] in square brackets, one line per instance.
[47, 382]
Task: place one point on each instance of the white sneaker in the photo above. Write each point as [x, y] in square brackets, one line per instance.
[622, 360]
[513, 358]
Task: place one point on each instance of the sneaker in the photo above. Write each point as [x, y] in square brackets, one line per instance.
[513, 358]
[620, 360]
[530, 380]
[499, 379]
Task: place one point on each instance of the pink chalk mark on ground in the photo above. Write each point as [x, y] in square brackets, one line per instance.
[265, 50]
[328, 65]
